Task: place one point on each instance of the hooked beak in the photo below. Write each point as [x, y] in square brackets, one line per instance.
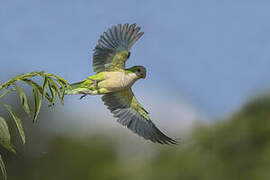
[144, 75]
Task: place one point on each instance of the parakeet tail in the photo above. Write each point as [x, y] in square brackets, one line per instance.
[75, 88]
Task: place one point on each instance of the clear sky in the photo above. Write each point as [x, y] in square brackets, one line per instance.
[210, 55]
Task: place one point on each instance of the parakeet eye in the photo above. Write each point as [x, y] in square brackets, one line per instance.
[139, 70]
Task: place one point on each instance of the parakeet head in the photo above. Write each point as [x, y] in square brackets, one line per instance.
[140, 71]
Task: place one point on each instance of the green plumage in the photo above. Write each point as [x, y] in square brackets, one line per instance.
[114, 82]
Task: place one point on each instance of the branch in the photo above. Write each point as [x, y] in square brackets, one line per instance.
[57, 86]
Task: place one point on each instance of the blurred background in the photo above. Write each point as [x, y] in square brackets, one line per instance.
[207, 83]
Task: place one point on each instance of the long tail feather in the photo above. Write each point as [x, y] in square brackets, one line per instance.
[75, 88]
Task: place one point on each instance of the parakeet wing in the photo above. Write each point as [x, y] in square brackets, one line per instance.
[112, 50]
[130, 113]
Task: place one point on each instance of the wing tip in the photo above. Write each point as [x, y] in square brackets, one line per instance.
[161, 138]
[117, 38]
[122, 32]
[168, 141]
[134, 121]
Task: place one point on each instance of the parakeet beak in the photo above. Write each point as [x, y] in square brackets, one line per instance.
[144, 75]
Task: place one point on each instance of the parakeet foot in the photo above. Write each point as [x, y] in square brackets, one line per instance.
[85, 93]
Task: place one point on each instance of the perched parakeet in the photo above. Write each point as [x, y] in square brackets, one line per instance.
[114, 81]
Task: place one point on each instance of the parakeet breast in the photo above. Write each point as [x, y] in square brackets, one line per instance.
[115, 81]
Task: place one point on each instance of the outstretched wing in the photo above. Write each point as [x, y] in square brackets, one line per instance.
[113, 47]
[130, 113]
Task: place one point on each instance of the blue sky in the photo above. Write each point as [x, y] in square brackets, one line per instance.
[211, 55]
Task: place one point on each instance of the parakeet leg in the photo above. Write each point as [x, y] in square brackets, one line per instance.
[85, 93]
[96, 92]
[83, 96]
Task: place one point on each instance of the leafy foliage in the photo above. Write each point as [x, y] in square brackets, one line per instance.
[5, 136]
[236, 148]
[39, 92]
[2, 167]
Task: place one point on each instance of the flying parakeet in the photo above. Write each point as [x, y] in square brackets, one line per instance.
[114, 81]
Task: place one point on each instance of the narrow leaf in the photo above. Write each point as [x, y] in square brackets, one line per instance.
[23, 99]
[60, 79]
[53, 93]
[5, 135]
[63, 90]
[3, 168]
[65, 82]
[18, 122]
[37, 103]
[34, 84]
[56, 87]
[45, 86]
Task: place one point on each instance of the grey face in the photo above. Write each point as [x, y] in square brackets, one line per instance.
[141, 72]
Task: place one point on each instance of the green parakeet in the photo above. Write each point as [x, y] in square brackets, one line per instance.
[114, 81]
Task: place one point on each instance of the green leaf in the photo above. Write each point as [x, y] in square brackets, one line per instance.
[23, 99]
[34, 84]
[60, 79]
[63, 89]
[3, 168]
[53, 93]
[18, 122]
[37, 102]
[45, 86]
[5, 135]
[65, 82]
[56, 87]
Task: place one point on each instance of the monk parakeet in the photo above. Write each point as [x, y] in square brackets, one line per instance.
[114, 81]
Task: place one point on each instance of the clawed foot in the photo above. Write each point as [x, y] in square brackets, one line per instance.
[85, 93]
